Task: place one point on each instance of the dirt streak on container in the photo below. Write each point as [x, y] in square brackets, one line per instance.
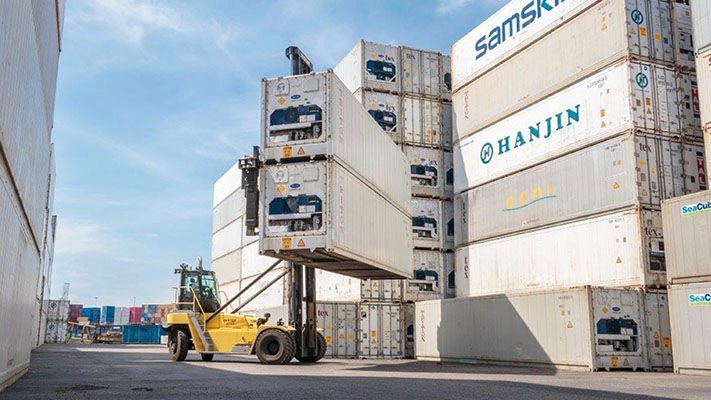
[315, 115]
[687, 227]
[625, 171]
[604, 34]
[321, 215]
[623, 97]
[628, 250]
[690, 322]
[586, 328]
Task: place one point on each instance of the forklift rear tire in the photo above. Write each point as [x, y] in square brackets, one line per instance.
[274, 346]
[207, 356]
[319, 355]
[178, 344]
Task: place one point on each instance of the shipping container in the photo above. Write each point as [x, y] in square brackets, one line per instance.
[421, 72]
[701, 17]
[585, 328]
[448, 175]
[229, 210]
[695, 166]
[227, 184]
[385, 108]
[306, 116]
[429, 278]
[371, 66]
[228, 239]
[93, 314]
[135, 315]
[382, 330]
[446, 89]
[627, 250]
[339, 322]
[421, 121]
[74, 312]
[683, 30]
[427, 172]
[657, 330]
[449, 224]
[627, 170]
[451, 287]
[141, 334]
[687, 227]
[122, 316]
[57, 309]
[320, 215]
[447, 125]
[604, 34]
[381, 290]
[623, 97]
[690, 314]
[703, 72]
[331, 286]
[497, 38]
[56, 331]
[427, 223]
[689, 106]
[108, 314]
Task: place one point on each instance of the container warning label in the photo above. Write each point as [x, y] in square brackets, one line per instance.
[286, 243]
[286, 151]
[301, 243]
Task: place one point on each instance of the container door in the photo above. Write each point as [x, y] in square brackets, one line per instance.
[618, 327]
[369, 331]
[658, 330]
[324, 320]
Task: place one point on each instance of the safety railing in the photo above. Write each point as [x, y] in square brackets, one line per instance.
[192, 303]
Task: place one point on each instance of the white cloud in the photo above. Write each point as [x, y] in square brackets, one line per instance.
[77, 237]
[450, 6]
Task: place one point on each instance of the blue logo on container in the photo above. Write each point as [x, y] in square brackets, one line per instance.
[487, 153]
[642, 80]
[700, 299]
[295, 186]
[296, 97]
[637, 17]
[616, 309]
[697, 208]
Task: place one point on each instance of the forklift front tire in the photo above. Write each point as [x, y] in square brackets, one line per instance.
[320, 353]
[178, 343]
[274, 346]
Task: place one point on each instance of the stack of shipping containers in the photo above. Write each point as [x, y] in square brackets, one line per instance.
[562, 159]
[30, 36]
[57, 318]
[687, 227]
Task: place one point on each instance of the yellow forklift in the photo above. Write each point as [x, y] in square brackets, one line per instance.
[200, 323]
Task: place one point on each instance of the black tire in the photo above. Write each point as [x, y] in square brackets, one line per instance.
[207, 356]
[178, 344]
[321, 351]
[274, 346]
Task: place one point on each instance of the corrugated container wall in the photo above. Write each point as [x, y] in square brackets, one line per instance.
[703, 71]
[701, 16]
[687, 237]
[690, 324]
[588, 328]
[605, 33]
[320, 214]
[29, 55]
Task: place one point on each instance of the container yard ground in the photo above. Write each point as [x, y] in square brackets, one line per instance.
[136, 371]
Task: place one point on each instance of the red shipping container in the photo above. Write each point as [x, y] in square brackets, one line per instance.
[134, 315]
[75, 312]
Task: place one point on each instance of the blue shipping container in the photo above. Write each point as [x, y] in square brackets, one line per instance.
[92, 313]
[142, 334]
[107, 315]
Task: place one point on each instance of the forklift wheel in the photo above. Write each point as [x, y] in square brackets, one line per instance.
[319, 355]
[274, 346]
[207, 356]
[178, 345]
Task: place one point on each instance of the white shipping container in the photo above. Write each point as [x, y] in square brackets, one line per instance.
[587, 328]
[320, 215]
[695, 167]
[449, 265]
[229, 210]
[628, 250]
[627, 170]
[689, 106]
[227, 184]
[690, 313]
[504, 33]
[427, 223]
[657, 329]
[339, 322]
[429, 279]
[446, 88]
[382, 289]
[313, 115]
[701, 16]
[56, 332]
[623, 97]
[683, 29]
[427, 171]
[227, 239]
[604, 34]
[448, 175]
[371, 66]
[385, 109]
[449, 224]
[228, 268]
[421, 121]
[275, 295]
[122, 316]
[687, 224]
[381, 329]
[707, 144]
[703, 72]
[336, 287]
[421, 72]
[57, 309]
[447, 129]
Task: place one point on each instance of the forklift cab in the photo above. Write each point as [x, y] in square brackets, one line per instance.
[200, 282]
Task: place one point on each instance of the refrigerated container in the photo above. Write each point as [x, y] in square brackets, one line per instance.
[604, 34]
[427, 223]
[385, 108]
[427, 171]
[601, 106]
[588, 328]
[703, 74]
[421, 121]
[448, 175]
[421, 72]
[381, 289]
[625, 248]
[687, 226]
[229, 210]
[447, 125]
[690, 314]
[657, 329]
[57, 309]
[429, 280]
[227, 184]
[371, 66]
[228, 239]
[336, 287]
[339, 322]
[446, 88]
[56, 331]
[320, 215]
[382, 330]
[701, 19]
[695, 166]
[315, 115]
[684, 36]
[627, 170]
[689, 106]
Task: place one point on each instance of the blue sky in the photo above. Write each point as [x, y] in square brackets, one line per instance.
[156, 99]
